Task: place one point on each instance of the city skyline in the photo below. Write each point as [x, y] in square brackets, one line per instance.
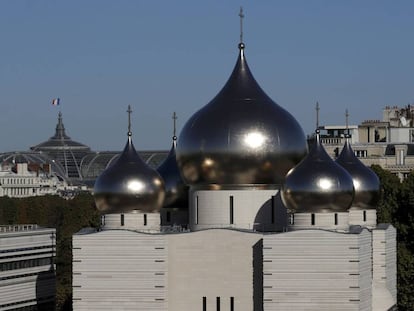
[99, 57]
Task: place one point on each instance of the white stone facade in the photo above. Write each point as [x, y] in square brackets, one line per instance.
[243, 208]
[310, 268]
[27, 269]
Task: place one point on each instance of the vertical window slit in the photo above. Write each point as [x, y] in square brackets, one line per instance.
[231, 210]
[292, 219]
[196, 211]
[312, 219]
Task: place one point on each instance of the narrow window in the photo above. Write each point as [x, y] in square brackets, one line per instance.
[364, 215]
[292, 219]
[231, 303]
[196, 211]
[231, 210]
[122, 220]
[312, 219]
[273, 209]
[336, 219]
[145, 219]
[204, 303]
[168, 217]
[218, 303]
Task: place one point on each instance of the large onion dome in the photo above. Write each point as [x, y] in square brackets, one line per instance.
[318, 184]
[129, 184]
[366, 182]
[176, 191]
[241, 137]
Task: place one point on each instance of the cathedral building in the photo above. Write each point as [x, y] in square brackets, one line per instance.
[240, 216]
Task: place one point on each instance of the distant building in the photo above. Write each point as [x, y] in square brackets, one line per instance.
[64, 150]
[23, 180]
[27, 268]
[71, 161]
[388, 143]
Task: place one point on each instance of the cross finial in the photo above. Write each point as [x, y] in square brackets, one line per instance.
[347, 121]
[317, 115]
[241, 15]
[129, 120]
[174, 117]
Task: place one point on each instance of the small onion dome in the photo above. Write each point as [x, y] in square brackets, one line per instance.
[366, 182]
[176, 191]
[318, 184]
[129, 184]
[240, 137]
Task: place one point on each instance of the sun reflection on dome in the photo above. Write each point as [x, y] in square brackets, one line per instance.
[254, 140]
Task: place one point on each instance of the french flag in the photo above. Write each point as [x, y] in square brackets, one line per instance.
[56, 102]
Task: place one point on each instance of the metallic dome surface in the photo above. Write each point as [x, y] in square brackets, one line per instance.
[176, 191]
[129, 184]
[366, 182]
[317, 184]
[240, 137]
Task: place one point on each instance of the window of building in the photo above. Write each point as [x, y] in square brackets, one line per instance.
[312, 219]
[218, 303]
[364, 215]
[273, 209]
[168, 217]
[122, 220]
[231, 303]
[291, 219]
[145, 219]
[336, 219]
[196, 211]
[231, 210]
[204, 303]
[361, 153]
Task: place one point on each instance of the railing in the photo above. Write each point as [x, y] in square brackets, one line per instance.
[332, 141]
[16, 228]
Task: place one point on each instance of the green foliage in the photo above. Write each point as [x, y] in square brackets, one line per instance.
[405, 278]
[390, 194]
[397, 207]
[67, 216]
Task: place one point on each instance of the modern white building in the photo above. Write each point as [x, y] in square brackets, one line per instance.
[27, 269]
[269, 226]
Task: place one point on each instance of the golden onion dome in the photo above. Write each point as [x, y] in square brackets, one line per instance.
[317, 184]
[240, 137]
[366, 182]
[129, 184]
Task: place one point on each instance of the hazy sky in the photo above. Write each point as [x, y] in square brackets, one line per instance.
[98, 56]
